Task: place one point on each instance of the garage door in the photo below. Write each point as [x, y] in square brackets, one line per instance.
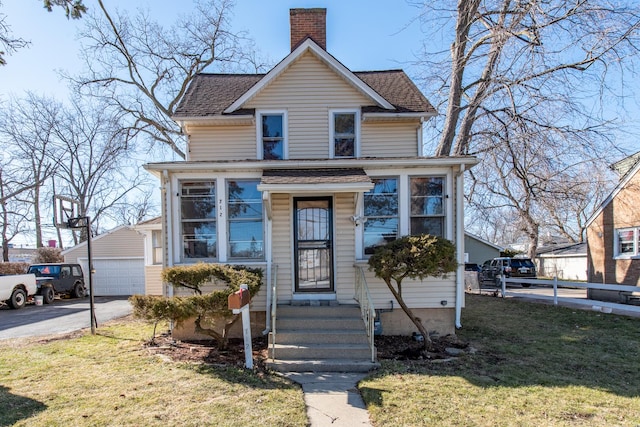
[122, 276]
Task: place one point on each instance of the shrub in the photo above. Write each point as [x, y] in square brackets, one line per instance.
[13, 268]
[47, 255]
[413, 257]
[209, 307]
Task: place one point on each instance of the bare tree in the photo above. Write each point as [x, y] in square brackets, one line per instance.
[96, 169]
[27, 126]
[142, 69]
[524, 91]
[14, 213]
[9, 44]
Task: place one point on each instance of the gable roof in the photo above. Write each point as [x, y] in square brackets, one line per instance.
[621, 185]
[390, 91]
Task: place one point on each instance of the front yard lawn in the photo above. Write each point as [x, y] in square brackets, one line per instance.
[533, 365]
[111, 379]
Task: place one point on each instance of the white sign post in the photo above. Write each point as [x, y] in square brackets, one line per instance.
[246, 323]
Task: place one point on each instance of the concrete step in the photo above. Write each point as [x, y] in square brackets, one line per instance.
[310, 351]
[305, 311]
[326, 365]
[304, 323]
[324, 336]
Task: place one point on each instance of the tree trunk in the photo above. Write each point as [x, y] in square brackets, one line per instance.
[416, 320]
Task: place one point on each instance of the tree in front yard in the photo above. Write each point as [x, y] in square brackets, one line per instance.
[205, 308]
[413, 257]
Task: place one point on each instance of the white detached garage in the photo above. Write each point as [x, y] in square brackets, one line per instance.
[118, 262]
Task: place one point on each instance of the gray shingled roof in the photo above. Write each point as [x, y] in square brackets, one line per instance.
[211, 94]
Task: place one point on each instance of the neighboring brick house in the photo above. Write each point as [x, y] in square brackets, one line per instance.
[613, 234]
[309, 168]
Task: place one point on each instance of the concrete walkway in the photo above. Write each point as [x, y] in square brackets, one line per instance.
[332, 398]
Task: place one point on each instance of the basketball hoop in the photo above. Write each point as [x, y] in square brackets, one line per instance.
[66, 213]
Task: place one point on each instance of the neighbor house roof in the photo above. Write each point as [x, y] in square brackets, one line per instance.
[390, 91]
[563, 250]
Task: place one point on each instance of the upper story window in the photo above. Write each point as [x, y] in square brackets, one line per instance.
[198, 219]
[272, 141]
[427, 205]
[344, 134]
[627, 242]
[381, 211]
[244, 210]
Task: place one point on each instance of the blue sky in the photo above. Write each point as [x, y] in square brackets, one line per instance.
[362, 34]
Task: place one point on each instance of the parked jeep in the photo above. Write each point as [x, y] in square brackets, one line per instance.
[510, 267]
[60, 279]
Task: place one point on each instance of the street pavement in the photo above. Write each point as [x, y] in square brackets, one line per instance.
[62, 316]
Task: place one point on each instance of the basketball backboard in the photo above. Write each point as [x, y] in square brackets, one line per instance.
[64, 210]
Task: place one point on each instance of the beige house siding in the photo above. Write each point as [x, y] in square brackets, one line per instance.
[427, 293]
[282, 243]
[120, 243]
[308, 90]
[344, 252]
[389, 139]
[222, 143]
[153, 280]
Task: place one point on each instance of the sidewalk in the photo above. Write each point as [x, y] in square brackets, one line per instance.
[332, 398]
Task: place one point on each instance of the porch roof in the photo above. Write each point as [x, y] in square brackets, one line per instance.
[315, 180]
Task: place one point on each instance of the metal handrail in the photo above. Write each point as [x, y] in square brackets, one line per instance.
[367, 310]
[274, 305]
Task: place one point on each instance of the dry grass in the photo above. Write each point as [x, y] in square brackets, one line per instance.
[535, 365]
[111, 379]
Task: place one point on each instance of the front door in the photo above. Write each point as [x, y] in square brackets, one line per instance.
[313, 244]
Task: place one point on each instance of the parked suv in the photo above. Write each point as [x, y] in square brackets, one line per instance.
[65, 279]
[510, 267]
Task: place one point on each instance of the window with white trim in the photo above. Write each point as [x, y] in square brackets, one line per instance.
[381, 211]
[627, 242]
[156, 244]
[244, 220]
[198, 220]
[427, 205]
[272, 136]
[344, 134]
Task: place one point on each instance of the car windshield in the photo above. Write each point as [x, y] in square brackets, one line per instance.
[518, 263]
[45, 270]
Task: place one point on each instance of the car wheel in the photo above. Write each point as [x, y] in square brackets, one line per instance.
[18, 298]
[47, 294]
[78, 291]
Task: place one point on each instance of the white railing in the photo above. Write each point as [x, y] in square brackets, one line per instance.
[566, 284]
[274, 306]
[367, 310]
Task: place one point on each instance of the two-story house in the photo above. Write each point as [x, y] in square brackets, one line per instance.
[304, 171]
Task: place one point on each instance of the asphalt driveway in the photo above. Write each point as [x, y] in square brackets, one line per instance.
[62, 316]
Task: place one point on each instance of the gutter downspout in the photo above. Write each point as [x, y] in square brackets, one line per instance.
[266, 199]
[459, 244]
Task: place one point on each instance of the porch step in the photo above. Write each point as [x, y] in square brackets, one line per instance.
[328, 365]
[320, 338]
[323, 351]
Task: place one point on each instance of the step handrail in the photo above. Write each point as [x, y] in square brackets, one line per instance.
[274, 305]
[367, 309]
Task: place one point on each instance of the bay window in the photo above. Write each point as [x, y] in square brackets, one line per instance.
[427, 205]
[381, 211]
[244, 219]
[198, 219]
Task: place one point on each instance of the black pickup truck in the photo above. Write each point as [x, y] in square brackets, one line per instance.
[58, 279]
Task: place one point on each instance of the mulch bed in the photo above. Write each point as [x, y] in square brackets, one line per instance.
[389, 348]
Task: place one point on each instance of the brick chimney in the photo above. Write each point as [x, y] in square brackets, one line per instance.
[308, 23]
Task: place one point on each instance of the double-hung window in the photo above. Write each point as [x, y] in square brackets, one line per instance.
[627, 242]
[381, 211]
[198, 219]
[427, 205]
[245, 226]
[272, 136]
[344, 134]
